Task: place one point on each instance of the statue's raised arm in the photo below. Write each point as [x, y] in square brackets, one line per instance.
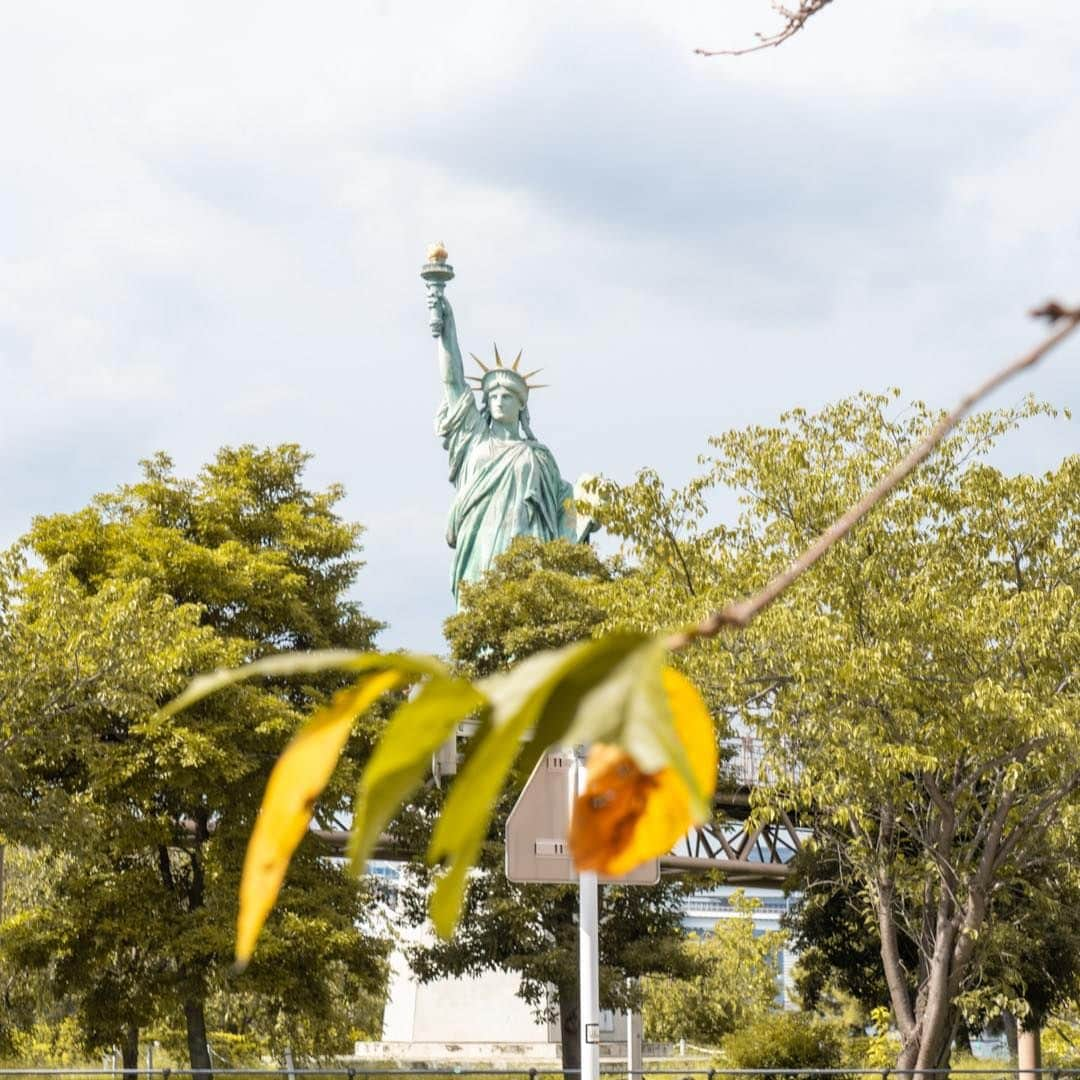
[451, 367]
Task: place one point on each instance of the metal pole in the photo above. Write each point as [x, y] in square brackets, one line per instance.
[589, 929]
[634, 1062]
[1028, 1053]
[589, 953]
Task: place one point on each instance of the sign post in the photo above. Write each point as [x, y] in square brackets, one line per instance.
[537, 851]
[634, 1048]
[589, 949]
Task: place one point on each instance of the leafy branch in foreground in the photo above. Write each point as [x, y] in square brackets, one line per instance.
[740, 614]
[612, 693]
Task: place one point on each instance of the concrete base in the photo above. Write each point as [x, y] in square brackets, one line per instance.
[509, 1053]
[427, 1052]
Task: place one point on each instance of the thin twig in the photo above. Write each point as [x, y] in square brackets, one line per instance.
[682, 561]
[741, 612]
[795, 21]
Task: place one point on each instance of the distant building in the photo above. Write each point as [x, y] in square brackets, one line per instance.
[705, 909]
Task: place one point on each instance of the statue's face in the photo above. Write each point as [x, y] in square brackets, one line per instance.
[504, 405]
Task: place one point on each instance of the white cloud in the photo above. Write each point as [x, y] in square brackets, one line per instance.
[213, 218]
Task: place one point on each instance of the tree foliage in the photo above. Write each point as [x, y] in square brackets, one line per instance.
[35, 1026]
[612, 693]
[785, 1040]
[732, 981]
[120, 604]
[538, 596]
[1028, 963]
[914, 691]
[834, 935]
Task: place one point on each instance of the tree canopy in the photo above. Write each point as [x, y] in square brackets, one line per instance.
[537, 596]
[730, 980]
[117, 606]
[915, 689]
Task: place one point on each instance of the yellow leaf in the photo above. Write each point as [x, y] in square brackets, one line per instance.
[626, 816]
[296, 781]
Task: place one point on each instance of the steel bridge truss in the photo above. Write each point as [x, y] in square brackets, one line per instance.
[746, 853]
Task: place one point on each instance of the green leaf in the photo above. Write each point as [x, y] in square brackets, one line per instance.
[562, 722]
[542, 694]
[300, 663]
[400, 761]
[515, 699]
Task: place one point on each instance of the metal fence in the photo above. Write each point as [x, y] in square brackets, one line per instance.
[365, 1072]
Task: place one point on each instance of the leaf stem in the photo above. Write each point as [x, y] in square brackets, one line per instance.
[741, 612]
[794, 21]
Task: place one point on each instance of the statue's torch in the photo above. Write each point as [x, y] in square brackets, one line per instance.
[436, 272]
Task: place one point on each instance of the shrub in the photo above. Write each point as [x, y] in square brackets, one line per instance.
[786, 1040]
[49, 1045]
[1061, 1043]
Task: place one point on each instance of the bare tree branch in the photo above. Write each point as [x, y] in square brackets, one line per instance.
[740, 613]
[794, 20]
[1027, 824]
[669, 533]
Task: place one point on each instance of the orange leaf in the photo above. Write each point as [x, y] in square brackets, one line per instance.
[625, 816]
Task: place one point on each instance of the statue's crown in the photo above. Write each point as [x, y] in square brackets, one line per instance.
[500, 368]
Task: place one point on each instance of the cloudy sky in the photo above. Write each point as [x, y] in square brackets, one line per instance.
[212, 218]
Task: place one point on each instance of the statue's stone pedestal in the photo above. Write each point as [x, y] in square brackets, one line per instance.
[467, 1020]
[457, 1019]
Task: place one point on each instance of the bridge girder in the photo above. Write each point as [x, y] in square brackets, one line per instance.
[746, 854]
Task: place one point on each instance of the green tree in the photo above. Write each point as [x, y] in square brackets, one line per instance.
[80, 669]
[537, 596]
[1028, 961]
[128, 599]
[28, 1007]
[654, 729]
[1061, 1040]
[915, 690]
[734, 981]
[835, 935]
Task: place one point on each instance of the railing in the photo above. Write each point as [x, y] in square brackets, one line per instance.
[744, 760]
[704, 903]
[1004, 1069]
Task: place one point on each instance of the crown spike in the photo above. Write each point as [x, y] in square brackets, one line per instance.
[530, 374]
[517, 360]
[479, 361]
[538, 386]
[498, 358]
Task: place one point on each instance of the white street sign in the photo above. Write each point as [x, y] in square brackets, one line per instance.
[536, 830]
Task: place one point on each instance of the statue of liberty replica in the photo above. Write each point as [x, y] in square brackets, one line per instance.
[506, 483]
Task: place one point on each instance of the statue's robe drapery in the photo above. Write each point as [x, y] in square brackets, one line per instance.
[504, 488]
